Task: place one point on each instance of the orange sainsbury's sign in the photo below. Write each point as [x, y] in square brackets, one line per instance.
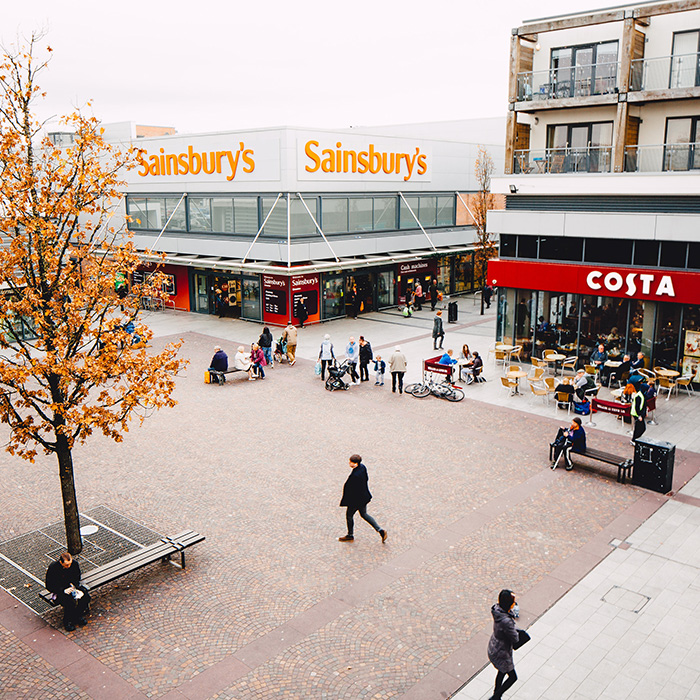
[371, 160]
[193, 162]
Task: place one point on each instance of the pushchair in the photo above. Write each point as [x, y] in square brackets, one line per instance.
[281, 351]
[335, 375]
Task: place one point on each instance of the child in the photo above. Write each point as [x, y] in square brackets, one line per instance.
[379, 367]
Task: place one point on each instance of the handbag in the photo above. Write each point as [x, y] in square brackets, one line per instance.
[523, 638]
[317, 368]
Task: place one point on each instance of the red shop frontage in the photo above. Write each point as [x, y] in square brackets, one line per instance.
[574, 307]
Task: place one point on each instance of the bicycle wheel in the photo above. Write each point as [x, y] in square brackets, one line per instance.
[421, 391]
[440, 390]
[454, 395]
[410, 388]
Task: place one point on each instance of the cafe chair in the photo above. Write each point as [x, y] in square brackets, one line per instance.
[687, 383]
[539, 390]
[569, 363]
[538, 363]
[563, 397]
[515, 353]
[513, 368]
[509, 384]
[499, 356]
[537, 374]
[669, 385]
[551, 383]
[590, 369]
[622, 379]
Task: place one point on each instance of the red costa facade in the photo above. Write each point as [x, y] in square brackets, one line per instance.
[600, 280]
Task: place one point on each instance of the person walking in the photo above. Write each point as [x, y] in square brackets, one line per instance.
[290, 337]
[302, 312]
[487, 293]
[638, 411]
[438, 330]
[433, 294]
[265, 342]
[397, 367]
[504, 637]
[352, 354]
[379, 369]
[355, 498]
[366, 357]
[418, 296]
[326, 355]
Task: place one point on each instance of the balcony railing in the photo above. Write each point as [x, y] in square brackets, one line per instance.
[667, 72]
[669, 157]
[590, 159]
[577, 81]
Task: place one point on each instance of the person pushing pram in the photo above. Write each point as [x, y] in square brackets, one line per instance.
[281, 350]
[571, 439]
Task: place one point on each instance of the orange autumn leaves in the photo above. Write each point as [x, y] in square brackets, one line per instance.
[68, 365]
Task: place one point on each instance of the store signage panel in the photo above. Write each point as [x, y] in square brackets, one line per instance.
[354, 158]
[597, 280]
[419, 266]
[306, 287]
[216, 158]
[275, 296]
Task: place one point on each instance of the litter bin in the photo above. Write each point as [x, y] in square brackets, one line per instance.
[452, 312]
[653, 464]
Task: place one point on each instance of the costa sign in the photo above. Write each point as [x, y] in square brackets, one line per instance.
[614, 282]
[599, 280]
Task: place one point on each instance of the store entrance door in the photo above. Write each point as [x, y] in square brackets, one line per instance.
[201, 294]
[365, 291]
[226, 296]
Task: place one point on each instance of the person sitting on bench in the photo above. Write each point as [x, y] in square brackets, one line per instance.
[63, 580]
[571, 440]
[241, 361]
[219, 363]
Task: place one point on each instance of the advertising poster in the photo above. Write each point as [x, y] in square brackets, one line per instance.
[692, 344]
[305, 288]
[275, 294]
[691, 367]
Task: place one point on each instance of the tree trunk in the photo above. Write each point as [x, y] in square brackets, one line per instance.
[70, 504]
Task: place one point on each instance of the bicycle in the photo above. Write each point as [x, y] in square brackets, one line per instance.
[443, 390]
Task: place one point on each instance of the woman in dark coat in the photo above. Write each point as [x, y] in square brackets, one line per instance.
[366, 357]
[356, 496]
[500, 649]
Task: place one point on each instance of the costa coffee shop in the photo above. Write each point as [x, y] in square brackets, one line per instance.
[632, 293]
[253, 223]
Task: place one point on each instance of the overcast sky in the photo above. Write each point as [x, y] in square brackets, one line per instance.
[214, 65]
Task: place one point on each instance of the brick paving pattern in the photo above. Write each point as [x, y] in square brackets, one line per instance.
[271, 605]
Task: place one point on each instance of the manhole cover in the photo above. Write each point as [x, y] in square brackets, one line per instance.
[625, 599]
[88, 530]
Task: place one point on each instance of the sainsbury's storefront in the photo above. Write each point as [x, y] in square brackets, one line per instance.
[574, 307]
[253, 223]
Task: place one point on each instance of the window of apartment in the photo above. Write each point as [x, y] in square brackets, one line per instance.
[685, 70]
[681, 150]
[584, 147]
[587, 69]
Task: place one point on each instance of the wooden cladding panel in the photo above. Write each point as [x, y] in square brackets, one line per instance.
[527, 54]
[522, 137]
[638, 41]
[632, 131]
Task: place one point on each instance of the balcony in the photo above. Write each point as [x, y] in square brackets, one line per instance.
[561, 83]
[668, 157]
[590, 159]
[665, 73]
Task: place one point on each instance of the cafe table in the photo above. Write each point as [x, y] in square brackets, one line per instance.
[554, 357]
[507, 349]
[668, 373]
[516, 374]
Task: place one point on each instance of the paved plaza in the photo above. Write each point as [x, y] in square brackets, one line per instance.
[272, 606]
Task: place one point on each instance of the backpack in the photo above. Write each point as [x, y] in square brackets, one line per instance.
[582, 407]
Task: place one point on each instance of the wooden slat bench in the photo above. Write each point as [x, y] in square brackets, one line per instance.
[161, 550]
[623, 464]
[221, 376]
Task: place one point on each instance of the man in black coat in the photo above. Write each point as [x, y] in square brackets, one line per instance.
[63, 580]
[356, 496]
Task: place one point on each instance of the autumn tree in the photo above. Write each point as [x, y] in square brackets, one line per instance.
[70, 363]
[483, 201]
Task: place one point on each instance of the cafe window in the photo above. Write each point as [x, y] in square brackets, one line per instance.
[613, 251]
[673, 253]
[668, 322]
[646, 253]
[561, 248]
[527, 246]
[603, 321]
[507, 245]
[333, 292]
[694, 256]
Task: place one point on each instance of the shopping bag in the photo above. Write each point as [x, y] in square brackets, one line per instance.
[317, 368]
[207, 377]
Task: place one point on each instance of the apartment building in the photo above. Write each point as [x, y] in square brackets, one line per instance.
[600, 237]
